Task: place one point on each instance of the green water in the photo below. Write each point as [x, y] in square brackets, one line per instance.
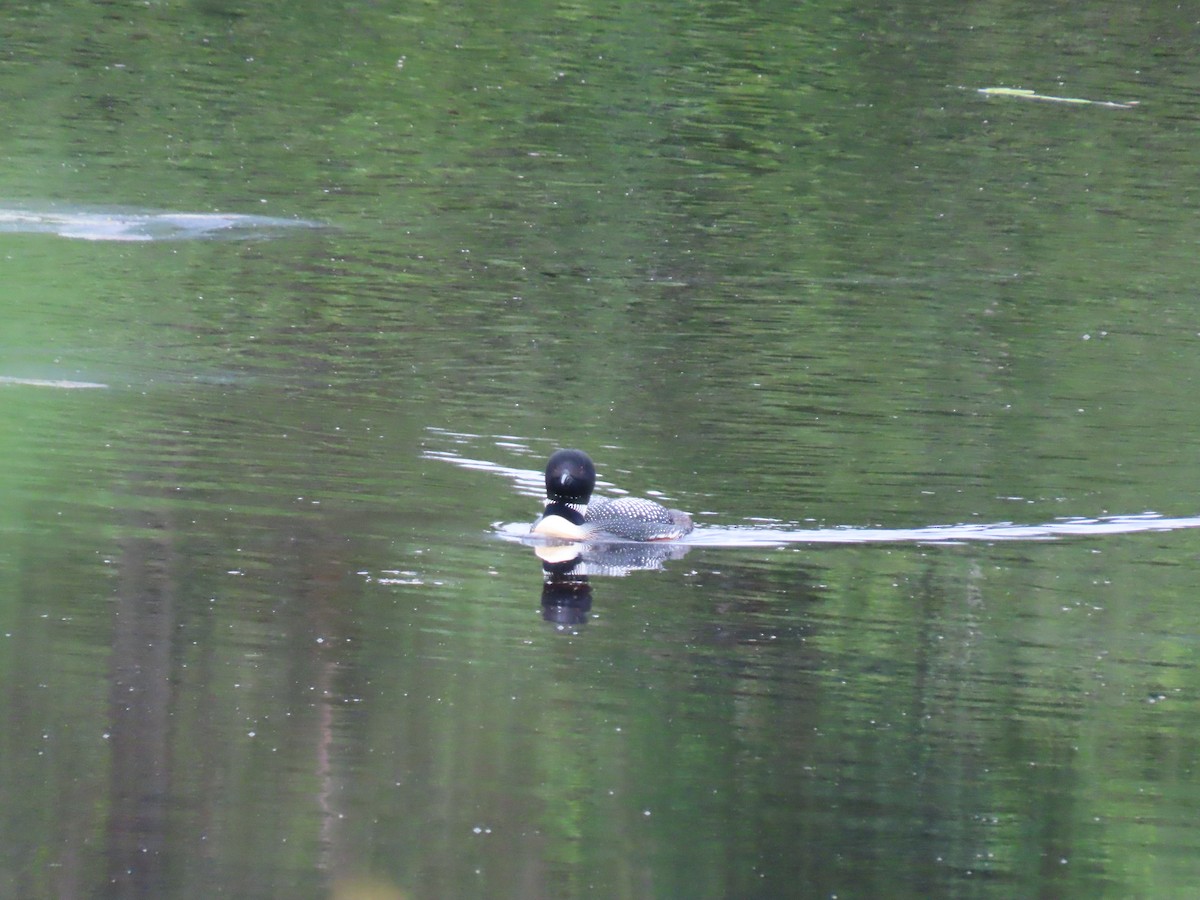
[782, 263]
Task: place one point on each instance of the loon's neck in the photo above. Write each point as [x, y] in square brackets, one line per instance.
[572, 512]
[561, 521]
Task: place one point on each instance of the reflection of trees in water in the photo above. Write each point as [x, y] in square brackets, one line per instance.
[193, 799]
[140, 704]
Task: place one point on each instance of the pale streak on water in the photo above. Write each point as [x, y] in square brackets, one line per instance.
[755, 536]
[143, 225]
[52, 383]
[529, 483]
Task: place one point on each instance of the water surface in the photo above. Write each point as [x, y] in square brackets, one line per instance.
[921, 361]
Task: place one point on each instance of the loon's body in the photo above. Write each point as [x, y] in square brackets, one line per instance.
[570, 515]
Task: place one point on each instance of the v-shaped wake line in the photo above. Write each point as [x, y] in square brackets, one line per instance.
[779, 536]
[528, 482]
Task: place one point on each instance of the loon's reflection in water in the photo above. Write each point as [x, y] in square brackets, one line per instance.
[566, 600]
[613, 559]
[566, 589]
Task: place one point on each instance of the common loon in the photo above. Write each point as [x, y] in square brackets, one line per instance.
[570, 480]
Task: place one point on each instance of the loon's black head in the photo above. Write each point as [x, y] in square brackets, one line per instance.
[570, 477]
